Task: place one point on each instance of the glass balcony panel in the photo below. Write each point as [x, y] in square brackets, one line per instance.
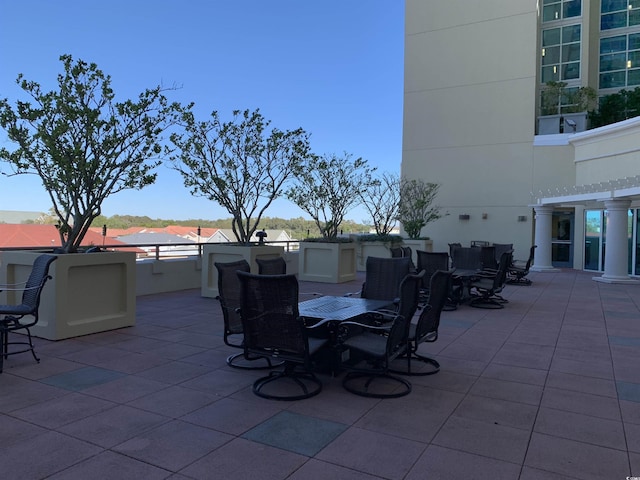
[550, 74]
[607, 6]
[571, 33]
[551, 56]
[551, 37]
[571, 52]
[572, 8]
[613, 20]
[571, 71]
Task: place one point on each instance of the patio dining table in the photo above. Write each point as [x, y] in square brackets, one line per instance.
[332, 311]
[464, 277]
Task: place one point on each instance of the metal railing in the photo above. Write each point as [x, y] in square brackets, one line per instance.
[161, 250]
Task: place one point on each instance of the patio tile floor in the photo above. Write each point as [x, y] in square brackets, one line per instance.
[547, 388]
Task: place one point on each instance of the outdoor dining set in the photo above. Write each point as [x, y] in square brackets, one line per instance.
[371, 338]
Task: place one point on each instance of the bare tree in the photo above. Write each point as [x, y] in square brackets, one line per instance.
[83, 144]
[416, 208]
[330, 186]
[381, 200]
[238, 164]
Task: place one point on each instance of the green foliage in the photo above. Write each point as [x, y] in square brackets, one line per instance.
[83, 144]
[379, 237]
[238, 164]
[328, 187]
[616, 107]
[558, 99]
[416, 205]
[381, 200]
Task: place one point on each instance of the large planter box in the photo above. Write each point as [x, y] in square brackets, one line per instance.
[228, 252]
[89, 292]
[370, 249]
[327, 262]
[426, 245]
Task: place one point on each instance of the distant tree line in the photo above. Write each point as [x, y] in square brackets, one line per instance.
[296, 227]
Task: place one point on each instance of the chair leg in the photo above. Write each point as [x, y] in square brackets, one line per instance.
[352, 377]
[33, 351]
[305, 381]
[248, 364]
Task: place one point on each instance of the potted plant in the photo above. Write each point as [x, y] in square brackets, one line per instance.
[327, 188]
[381, 200]
[85, 146]
[244, 167]
[416, 210]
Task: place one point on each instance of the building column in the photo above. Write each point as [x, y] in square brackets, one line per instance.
[542, 258]
[616, 256]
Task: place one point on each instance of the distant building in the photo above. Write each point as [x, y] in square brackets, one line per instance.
[15, 216]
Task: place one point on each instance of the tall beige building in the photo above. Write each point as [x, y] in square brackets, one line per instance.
[474, 73]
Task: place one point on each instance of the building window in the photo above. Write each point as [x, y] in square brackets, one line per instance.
[620, 61]
[560, 54]
[553, 10]
[619, 14]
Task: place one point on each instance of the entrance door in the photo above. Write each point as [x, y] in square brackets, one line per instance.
[562, 239]
[594, 240]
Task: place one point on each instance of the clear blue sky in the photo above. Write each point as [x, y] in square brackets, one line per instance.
[332, 67]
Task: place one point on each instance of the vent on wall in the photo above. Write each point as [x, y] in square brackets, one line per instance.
[464, 217]
[522, 218]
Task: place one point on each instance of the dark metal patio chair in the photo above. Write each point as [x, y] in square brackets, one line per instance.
[383, 277]
[399, 252]
[271, 266]
[377, 346]
[426, 328]
[518, 270]
[229, 296]
[486, 289]
[274, 329]
[25, 315]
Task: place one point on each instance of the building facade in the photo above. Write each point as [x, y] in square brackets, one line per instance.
[474, 77]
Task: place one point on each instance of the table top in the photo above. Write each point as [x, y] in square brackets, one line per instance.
[339, 308]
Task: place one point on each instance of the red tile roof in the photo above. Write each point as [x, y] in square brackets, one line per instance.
[33, 235]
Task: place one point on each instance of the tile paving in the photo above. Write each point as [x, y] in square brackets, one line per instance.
[546, 389]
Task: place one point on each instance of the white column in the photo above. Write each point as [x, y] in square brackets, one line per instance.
[616, 255]
[542, 259]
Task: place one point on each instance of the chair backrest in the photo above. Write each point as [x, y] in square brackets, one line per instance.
[488, 257]
[383, 277]
[410, 295]
[429, 320]
[431, 262]
[501, 248]
[271, 266]
[397, 337]
[503, 268]
[466, 258]
[532, 252]
[270, 318]
[36, 281]
[229, 294]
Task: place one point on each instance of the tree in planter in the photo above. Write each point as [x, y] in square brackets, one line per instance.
[381, 200]
[83, 144]
[558, 99]
[416, 207]
[328, 187]
[238, 164]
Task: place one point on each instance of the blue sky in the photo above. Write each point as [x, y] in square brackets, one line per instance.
[332, 67]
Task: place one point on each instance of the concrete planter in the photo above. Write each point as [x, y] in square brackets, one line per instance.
[371, 249]
[228, 252]
[417, 244]
[89, 292]
[327, 262]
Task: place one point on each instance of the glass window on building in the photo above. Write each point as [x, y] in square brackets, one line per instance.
[620, 61]
[553, 10]
[560, 55]
[619, 14]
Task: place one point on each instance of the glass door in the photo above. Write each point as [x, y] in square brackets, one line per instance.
[593, 240]
[562, 239]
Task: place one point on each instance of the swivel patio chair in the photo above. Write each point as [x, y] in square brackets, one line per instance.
[431, 262]
[500, 249]
[383, 277]
[426, 329]
[229, 296]
[26, 314]
[486, 289]
[271, 266]
[377, 346]
[518, 270]
[274, 329]
[399, 252]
